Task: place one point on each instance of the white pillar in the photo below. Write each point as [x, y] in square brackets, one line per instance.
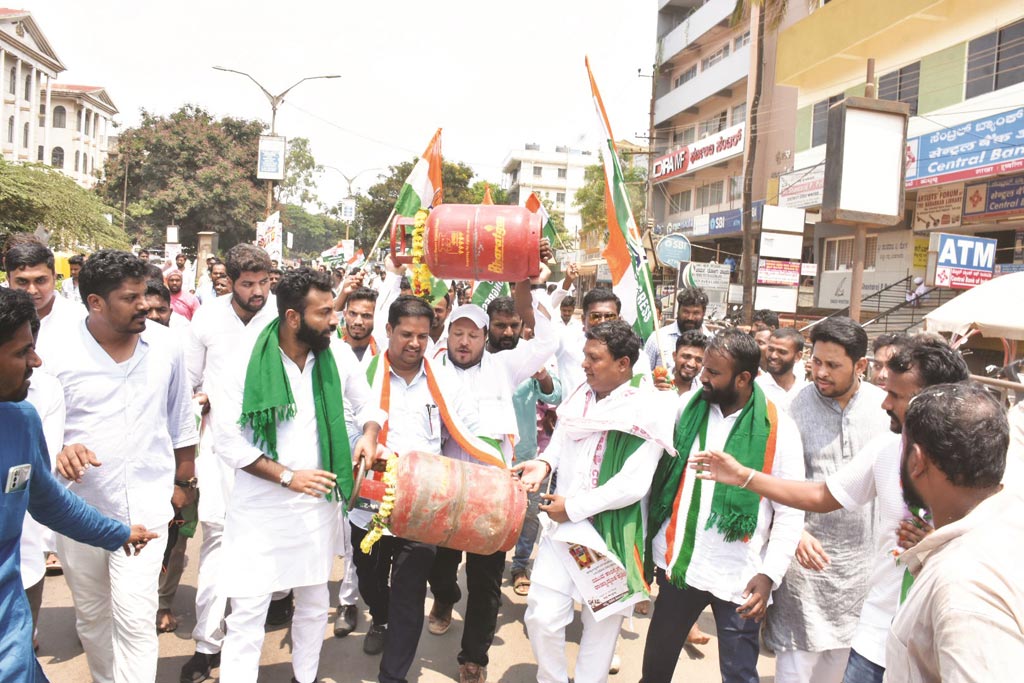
[16, 142]
[3, 94]
[47, 122]
[33, 126]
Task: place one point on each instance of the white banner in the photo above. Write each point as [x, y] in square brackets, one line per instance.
[270, 162]
[803, 188]
[270, 237]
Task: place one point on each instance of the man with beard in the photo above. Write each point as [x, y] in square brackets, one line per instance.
[709, 546]
[691, 305]
[784, 352]
[604, 450]
[158, 298]
[184, 303]
[439, 327]
[962, 619]
[688, 361]
[882, 349]
[761, 338]
[30, 487]
[213, 287]
[871, 477]
[222, 330]
[489, 380]
[130, 437]
[30, 268]
[293, 453]
[275, 277]
[814, 617]
[420, 398]
[360, 331]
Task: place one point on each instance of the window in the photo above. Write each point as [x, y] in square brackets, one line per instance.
[711, 126]
[995, 60]
[735, 187]
[88, 119]
[92, 164]
[901, 86]
[25, 130]
[680, 201]
[537, 170]
[739, 113]
[741, 41]
[12, 85]
[714, 58]
[79, 124]
[10, 130]
[839, 253]
[85, 163]
[78, 161]
[28, 86]
[560, 198]
[40, 154]
[42, 115]
[57, 157]
[819, 119]
[688, 135]
[710, 195]
[563, 172]
[60, 117]
[687, 75]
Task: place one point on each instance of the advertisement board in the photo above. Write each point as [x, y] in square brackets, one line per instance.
[778, 299]
[726, 222]
[270, 161]
[959, 261]
[993, 199]
[270, 237]
[713, 278]
[982, 147]
[673, 250]
[939, 207]
[706, 152]
[802, 189]
[772, 272]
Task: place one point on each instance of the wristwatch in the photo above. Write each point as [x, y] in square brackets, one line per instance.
[286, 478]
[192, 483]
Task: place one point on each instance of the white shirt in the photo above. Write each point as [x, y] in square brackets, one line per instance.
[132, 415]
[69, 290]
[57, 329]
[662, 345]
[717, 566]
[569, 356]
[776, 394]
[963, 619]
[289, 536]
[874, 473]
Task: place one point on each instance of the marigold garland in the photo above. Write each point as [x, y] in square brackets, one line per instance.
[387, 505]
[420, 272]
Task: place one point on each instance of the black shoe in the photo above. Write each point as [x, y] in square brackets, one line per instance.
[198, 668]
[373, 644]
[345, 620]
[280, 611]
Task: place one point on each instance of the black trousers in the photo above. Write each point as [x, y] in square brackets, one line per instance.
[483, 582]
[675, 611]
[373, 571]
[410, 567]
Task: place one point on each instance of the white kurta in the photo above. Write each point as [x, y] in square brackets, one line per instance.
[275, 538]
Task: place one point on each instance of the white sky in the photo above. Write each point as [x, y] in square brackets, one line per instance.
[493, 75]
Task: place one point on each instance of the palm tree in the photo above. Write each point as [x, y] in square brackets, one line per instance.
[769, 15]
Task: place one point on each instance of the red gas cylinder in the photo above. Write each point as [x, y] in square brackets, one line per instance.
[475, 242]
[450, 503]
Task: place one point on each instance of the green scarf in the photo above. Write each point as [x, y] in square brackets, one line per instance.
[622, 529]
[734, 510]
[267, 400]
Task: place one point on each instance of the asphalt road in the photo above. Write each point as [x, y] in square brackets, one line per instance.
[343, 660]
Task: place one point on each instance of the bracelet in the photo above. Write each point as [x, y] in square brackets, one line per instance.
[750, 478]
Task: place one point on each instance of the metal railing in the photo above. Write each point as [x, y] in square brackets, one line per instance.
[884, 299]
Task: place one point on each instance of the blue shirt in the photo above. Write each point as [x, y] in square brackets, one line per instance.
[524, 399]
[50, 504]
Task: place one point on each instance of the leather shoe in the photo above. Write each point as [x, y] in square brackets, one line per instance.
[440, 618]
[345, 620]
[280, 611]
[471, 672]
[373, 644]
[198, 667]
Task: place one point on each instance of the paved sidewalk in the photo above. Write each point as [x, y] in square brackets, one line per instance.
[343, 660]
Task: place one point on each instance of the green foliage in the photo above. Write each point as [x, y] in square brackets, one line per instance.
[313, 233]
[301, 171]
[590, 197]
[34, 196]
[191, 170]
[498, 194]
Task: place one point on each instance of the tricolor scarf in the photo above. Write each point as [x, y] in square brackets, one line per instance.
[485, 450]
[267, 400]
[343, 337]
[734, 511]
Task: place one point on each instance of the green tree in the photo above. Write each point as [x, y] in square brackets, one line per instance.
[301, 171]
[34, 196]
[499, 195]
[191, 170]
[590, 197]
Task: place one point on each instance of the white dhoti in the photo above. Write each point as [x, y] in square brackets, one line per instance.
[348, 589]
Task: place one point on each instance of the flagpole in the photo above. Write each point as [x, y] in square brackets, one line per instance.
[373, 249]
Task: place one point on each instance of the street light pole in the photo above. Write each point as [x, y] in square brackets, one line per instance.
[275, 102]
[349, 180]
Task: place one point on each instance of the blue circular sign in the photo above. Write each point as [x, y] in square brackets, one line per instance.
[673, 250]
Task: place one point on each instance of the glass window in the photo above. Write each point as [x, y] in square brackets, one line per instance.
[739, 113]
[819, 119]
[710, 195]
[714, 58]
[995, 60]
[78, 161]
[685, 76]
[10, 130]
[735, 187]
[901, 86]
[28, 86]
[560, 198]
[12, 85]
[88, 119]
[26, 129]
[537, 171]
[689, 135]
[60, 116]
[839, 253]
[57, 157]
[679, 202]
[741, 41]
[40, 154]
[562, 172]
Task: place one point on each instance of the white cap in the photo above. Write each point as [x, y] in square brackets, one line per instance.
[918, 281]
[470, 312]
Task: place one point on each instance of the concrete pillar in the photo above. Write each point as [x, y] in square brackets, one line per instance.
[47, 122]
[16, 138]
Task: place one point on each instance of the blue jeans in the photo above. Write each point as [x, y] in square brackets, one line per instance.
[862, 670]
[528, 535]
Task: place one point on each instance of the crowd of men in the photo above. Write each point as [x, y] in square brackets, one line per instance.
[859, 529]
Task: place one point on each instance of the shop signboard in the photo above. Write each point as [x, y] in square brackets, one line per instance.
[959, 261]
[992, 145]
[700, 154]
[673, 249]
[803, 188]
[773, 272]
[994, 199]
[726, 222]
[939, 207]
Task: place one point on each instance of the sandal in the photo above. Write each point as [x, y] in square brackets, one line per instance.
[166, 622]
[53, 566]
[520, 584]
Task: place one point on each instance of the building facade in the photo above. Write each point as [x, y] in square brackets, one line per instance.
[65, 126]
[555, 175]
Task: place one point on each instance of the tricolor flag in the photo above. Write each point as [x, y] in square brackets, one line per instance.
[422, 188]
[534, 205]
[631, 275]
[356, 260]
[487, 291]
[487, 194]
